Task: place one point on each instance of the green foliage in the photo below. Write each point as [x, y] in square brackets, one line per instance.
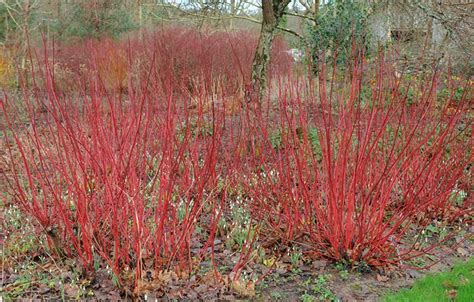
[87, 22]
[445, 94]
[458, 196]
[284, 20]
[4, 22]
[12, 17]
[240, 229]
[21, 238]
[343, 272]
[307, 297]
[455, 285]
[337, 24]
[318, 290]
[275, 139]
[277, 295]
[153, 13]
[295, 257]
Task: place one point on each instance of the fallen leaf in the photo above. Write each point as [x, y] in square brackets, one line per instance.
[144, 286]
[319, 264]
[192, 295]
[243, 288]
[211, 278]
[70, 290]
[382, 278]
[201, 288]
[167, 276]
[43, 289]
[269, 262]
[461, 251]
[451, 294]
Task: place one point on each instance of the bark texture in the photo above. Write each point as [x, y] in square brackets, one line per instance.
[272, 11]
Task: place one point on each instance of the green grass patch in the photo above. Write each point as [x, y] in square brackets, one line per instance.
[455, 285]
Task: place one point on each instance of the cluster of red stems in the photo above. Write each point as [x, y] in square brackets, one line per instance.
[344, 164]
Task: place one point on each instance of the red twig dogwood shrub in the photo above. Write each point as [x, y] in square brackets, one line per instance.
[182, 56]
[158, 139]
[113, 179]
[350, 167]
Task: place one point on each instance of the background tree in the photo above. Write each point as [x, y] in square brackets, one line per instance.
[272, 13]
[18, 18]
[94, 19]
[335, 26]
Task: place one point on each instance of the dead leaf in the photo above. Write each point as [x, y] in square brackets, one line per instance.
[144, 286]
[211, 278]
[451, 294]
[177, 291]
[191, 294]
[461, 251]
[391, 268]
[201, 288]
[382, 278]
[167, 276]
[43, 289]
[319, 264]
[70, 290]
[243, 288]
[269, 262]
[417, 246]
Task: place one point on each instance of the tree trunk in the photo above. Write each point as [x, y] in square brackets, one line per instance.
[272, 13]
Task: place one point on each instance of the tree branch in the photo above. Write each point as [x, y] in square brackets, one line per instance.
[304, 16]
[290, 31]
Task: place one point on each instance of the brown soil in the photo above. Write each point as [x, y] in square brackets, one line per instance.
[36, 275]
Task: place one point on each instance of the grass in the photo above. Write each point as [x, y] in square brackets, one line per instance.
[455, 285]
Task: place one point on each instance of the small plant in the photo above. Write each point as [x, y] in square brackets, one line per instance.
[20, 236]
[318, 290]
[458, 197]
[344, 274]
[342, 269]
[308, 298]
[295, 257]
[277, 295]
[321, 288]
[239, 236]
[433, 230]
